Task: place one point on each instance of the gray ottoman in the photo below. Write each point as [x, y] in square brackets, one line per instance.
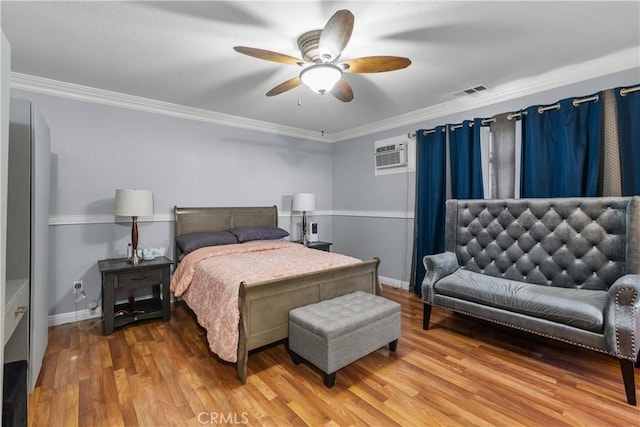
[334, 333]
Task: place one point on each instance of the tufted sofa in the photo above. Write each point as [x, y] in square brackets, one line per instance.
[567, 269]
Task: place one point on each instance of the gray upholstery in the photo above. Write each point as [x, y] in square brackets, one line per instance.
[577, 243]
[334, 333]
[579, 308]
[567, 269]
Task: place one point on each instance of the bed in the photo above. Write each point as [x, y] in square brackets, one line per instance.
[264, 305]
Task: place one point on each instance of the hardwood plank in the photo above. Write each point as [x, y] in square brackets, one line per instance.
[460, 372]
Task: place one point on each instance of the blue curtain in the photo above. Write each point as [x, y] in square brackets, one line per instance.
[628, 107]
[466, 164]
[560, 150]
[431, 189]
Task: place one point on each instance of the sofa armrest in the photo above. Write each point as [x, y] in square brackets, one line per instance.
[437, 266]
[622, 317]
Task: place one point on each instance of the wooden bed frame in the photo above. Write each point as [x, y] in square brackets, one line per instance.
[264, 306]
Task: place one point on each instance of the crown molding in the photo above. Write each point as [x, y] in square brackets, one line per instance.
[115, 99]
[609, 64]
[616, 62]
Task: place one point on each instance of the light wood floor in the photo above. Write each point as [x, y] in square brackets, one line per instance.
[460, 372]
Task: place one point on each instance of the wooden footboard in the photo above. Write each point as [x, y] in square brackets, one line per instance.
[264, 306]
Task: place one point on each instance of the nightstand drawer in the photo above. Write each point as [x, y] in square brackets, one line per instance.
[134, 279]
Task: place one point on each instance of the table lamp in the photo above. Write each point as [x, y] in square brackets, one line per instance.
[303, 202]
[133, 203]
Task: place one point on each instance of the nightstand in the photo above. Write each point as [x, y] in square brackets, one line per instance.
[119, 276]
[321, 246]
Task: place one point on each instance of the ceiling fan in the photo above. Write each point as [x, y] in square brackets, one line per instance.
[321, 49]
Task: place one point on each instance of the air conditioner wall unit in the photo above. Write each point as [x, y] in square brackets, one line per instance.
[391, 156]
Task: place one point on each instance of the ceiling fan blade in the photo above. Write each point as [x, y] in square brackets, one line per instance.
[268, 55]
[375, 64]
[336, 35]
[283, 87]
[342, 91]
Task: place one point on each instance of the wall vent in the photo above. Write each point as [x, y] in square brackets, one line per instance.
[391, 156]
[470, 90]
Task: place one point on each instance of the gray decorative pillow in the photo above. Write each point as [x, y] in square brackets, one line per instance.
[264, 232]
[192, 241]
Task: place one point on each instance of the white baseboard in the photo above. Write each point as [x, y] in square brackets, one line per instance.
[80, 315]
[74, 316]
[394, 283]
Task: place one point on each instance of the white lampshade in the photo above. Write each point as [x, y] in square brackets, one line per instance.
[133, 203]
[304, 202]
[321, 77]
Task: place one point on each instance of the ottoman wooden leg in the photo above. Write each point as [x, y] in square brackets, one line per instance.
[393, 345]
[330, 379]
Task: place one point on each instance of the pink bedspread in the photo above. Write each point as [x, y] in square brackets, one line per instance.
[208, 280]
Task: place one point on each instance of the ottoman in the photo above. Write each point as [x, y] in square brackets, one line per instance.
[334, 333]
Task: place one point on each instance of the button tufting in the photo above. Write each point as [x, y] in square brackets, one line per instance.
[500, 234]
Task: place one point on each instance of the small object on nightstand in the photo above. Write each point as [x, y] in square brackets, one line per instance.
[121, 275]
[303, 202]
[321, 246]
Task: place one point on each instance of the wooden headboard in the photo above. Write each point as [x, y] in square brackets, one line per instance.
[193, 220]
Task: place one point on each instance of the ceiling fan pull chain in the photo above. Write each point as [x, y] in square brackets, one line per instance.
[322, 116]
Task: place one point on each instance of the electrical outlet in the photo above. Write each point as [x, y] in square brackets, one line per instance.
[77, 286]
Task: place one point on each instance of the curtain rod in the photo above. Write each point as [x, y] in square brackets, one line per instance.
[575, 103]
[624, 92]
[555, 106]
[517, 114]
[453, 127]
[484, 122]
[424, 132]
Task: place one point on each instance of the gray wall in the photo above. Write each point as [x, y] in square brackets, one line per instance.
[97, 149]
[380, 230]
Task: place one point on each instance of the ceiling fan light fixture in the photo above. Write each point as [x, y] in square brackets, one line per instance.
[321, 77]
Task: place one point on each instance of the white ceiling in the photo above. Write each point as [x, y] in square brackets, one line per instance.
[182, 52]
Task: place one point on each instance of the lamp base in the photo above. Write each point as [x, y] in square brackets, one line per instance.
[304, 228]
[135, 259]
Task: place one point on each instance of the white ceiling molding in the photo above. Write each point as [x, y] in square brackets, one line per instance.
[616, 62]
[115, 99]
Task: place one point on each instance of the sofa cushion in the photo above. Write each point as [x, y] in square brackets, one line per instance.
[580, 308]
